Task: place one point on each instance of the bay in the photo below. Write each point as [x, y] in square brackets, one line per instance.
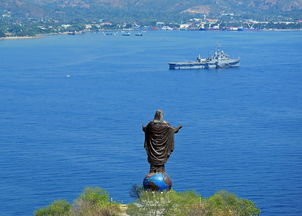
[72, 108]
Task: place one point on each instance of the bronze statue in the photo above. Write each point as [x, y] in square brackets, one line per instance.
[159, 142]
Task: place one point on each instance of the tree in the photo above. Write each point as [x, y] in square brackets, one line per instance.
[21, 30]
[2, 34]
[224, 203]
[57, 208]
[94, 202]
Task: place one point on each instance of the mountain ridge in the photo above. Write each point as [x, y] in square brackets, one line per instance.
[151, 9]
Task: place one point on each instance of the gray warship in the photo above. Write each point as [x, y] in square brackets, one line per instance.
[218, 60]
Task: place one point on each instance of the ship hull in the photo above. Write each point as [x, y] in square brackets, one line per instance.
[208, 65]
[218, 60]
[229, 64]
[180, 66]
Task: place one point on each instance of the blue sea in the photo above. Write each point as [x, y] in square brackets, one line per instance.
[72, 108]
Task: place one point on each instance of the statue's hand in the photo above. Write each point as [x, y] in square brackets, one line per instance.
[178, 128]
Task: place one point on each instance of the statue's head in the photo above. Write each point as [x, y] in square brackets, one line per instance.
[159, 116]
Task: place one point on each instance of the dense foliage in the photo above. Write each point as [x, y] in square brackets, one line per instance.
[145, 11]
[57, 208]
[32, 17]
[191, 204]
[2, 34]
[96, 202]
[92, 202]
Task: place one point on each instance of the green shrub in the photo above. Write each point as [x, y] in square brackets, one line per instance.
[227, 204]
[163, 203]
[94, 202]
[57, 208]
[2, 34]
[95, 196]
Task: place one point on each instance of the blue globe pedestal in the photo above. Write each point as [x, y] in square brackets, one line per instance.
[157, 182]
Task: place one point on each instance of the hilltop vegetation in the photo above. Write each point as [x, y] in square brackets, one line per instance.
[96, 202]
[146, 10]
[32, 17]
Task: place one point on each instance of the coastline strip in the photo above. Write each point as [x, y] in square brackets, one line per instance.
[20, 38]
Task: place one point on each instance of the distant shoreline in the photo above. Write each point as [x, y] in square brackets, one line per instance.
[281, 29]
[39, 36]
[20, 38]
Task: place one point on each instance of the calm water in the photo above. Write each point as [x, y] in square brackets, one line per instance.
[72, 108]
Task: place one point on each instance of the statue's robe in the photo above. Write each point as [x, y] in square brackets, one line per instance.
[159, 142]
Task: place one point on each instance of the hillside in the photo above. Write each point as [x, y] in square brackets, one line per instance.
[142, 10]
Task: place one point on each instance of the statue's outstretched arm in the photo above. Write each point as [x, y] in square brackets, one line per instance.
[177, 129]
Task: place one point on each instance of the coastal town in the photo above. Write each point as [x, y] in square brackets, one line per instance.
[10, 28]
